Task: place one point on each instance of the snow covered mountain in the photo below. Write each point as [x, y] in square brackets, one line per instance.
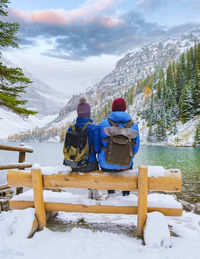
[41, 97]
[135, 66]
[129, 70]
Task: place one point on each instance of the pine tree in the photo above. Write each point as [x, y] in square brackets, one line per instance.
[197, 136]
[161, 132]
[189, 68]
[169, 79]
[151, 135]
[168, 119]
[12, 80]
[175, 111]
[196, 90]
[152, 115]
[179, 82]
[187, 103]
[174, 129]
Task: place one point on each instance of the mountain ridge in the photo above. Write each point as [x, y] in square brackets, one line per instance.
[134, 67]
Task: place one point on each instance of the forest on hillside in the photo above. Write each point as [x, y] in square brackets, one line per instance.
[172, 94]
[175, 95]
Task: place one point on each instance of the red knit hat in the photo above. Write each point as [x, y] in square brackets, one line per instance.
[119, 104]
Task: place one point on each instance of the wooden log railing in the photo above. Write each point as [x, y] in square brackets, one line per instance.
[170, 182]
[22, 149]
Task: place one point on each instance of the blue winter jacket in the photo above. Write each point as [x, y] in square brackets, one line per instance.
[81, 121]
[99, 135]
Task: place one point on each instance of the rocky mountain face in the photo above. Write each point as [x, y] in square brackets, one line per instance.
[135, 66]
[41, 97]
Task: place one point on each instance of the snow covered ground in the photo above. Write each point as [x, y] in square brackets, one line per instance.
[87, 244]
[78, 242]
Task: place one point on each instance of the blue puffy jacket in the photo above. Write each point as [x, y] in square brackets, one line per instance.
[119, 117]
[81, 121]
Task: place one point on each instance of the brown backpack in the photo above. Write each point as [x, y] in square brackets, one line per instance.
[120, 143]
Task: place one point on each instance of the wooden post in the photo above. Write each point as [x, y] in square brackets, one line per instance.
[22, 157]
[142, 198]
[38, 197]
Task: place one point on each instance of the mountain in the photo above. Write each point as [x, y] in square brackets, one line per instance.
[134, 67]
[130, 72]
[41, 97]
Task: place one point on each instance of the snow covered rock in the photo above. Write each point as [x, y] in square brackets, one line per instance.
[23, 223]
[156, 232]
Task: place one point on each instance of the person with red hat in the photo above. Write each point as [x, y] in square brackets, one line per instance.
[116, 120]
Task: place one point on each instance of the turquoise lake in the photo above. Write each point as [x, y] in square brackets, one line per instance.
[186, 159]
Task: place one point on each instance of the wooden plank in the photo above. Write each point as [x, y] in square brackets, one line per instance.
[171, 182]
[91, 180]
[142, 198]
[53, 206]
[16, 178]
[97, 180]
[15, 165]
[166, 211]
[18, 148]
[21, 205]
[22, 156]
[38, 197]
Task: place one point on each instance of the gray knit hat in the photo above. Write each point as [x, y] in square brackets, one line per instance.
[83, 108]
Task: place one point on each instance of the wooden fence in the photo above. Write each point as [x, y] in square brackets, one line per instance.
[22, 149]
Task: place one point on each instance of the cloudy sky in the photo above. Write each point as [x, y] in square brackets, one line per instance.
[71, 44]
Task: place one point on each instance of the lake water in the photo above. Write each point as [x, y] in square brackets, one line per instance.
[186, 159]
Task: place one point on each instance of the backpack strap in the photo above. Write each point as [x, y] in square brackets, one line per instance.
[129, 124]
[85, 126]
[113, 123]
[73, 127]
[83, 129]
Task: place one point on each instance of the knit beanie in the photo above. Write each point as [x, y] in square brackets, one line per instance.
[119, 104]
[83, 108]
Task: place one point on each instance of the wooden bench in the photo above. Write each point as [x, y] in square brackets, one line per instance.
[170, 182]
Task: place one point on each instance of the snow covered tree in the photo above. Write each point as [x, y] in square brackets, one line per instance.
[152, 115]
[196, 90]
[197, 135]
[189, 68]
[151, 135]
[161, 132]
[187, 103]
[12, 80]
[174, 129]
[175, 111]
[168, 118]
[179, 82]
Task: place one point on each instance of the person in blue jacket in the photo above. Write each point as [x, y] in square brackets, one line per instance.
[84, 112]
[121, 117]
